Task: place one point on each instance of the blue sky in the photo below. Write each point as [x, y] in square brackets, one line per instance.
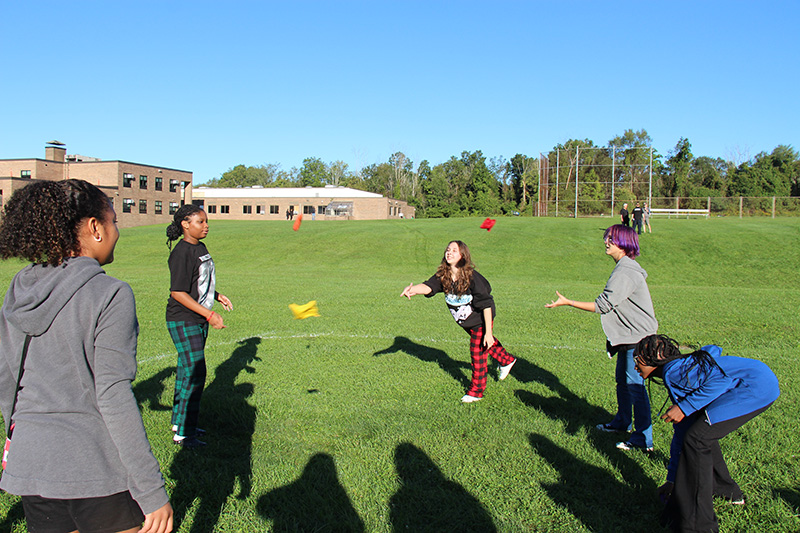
[204, 86]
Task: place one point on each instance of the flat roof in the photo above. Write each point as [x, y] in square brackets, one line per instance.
[281, 192]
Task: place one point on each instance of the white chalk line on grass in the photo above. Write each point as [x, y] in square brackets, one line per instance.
[273, 336]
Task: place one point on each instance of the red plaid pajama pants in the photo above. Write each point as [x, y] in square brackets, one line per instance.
[480, 359]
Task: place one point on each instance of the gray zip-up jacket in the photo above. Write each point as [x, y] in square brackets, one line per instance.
[78, 431]
[625, 305]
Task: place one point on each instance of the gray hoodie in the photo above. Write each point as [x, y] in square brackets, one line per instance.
[625, 305]
[78, 431]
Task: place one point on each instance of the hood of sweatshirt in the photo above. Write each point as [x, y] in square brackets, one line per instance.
[627, 262]
[39, 292]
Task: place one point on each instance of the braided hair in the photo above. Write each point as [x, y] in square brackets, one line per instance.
[175, 230]
[41, 220]
[658, 350]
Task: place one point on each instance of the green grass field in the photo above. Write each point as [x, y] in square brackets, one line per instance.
[352, 422]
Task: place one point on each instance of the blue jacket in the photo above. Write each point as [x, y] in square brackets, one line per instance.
[745, 386]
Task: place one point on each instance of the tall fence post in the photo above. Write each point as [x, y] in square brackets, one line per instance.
[773, 207]
[613, 177]
[577, 166]
[558, 165]
[740, 207]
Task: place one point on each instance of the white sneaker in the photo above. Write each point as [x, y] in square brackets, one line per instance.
[469, 399]
[506, 370]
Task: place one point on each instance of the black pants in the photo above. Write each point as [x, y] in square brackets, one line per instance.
[637, 225]
[703, 474]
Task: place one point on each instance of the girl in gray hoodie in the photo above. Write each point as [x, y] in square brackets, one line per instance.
[627, 315]
[78, 454]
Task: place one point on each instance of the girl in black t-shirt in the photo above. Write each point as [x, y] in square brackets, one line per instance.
[468, 296]
[192, 294]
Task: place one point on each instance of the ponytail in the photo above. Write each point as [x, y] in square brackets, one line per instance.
[175, 229]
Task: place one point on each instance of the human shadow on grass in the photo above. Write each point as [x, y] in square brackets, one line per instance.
[150, 390]
[315, 502]
[595, 496]
[576, 413]
[429, 502]
[15, 516]
[430, 355]
[790, 496]
[210, 474]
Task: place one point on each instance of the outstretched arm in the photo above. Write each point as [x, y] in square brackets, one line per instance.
[413, 290]
[561, 300]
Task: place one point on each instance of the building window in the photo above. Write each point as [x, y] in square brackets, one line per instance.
[247, 209]
[24, 173]
[126, 205]
[273, 210]
[308, 209]
[127, 179]
[212, 209]
[259, 210]
[173, 208]
[158, 207]
[173, 185]
[224, 209]
[142, 207]
[159, 181]
[142, 182]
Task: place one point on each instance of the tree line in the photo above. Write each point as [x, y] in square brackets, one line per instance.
[472, 185]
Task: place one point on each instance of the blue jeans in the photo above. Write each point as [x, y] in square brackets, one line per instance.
[632, 396]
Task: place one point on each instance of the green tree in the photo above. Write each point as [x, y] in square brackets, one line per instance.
[768, 175]
[678, 169]
[524, 180]
[711, 175]
[313, 173]
[246, 176]
[378, 178]
[632, 158]
[338, 172]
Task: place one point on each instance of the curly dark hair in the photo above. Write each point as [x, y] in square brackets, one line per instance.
[658, 350]
[175, 230]
[40, 221]
[465, 269]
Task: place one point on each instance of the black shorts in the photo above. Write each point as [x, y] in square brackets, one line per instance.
[106, 514]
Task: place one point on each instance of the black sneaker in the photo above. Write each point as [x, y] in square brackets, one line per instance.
[189, 442]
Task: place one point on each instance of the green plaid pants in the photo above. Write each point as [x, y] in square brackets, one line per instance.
[190, 341]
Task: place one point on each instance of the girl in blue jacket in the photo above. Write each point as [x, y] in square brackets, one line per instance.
[711, 396]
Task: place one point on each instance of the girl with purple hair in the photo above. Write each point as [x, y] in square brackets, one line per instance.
[627, 316]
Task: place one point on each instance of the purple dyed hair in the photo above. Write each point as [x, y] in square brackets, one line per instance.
[625, 238]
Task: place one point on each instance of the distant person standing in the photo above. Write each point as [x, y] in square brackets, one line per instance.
[647, 217]
[638, 215]
[624, 217]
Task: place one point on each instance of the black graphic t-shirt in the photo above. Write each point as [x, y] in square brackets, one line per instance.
[191, 270]
[467, 309]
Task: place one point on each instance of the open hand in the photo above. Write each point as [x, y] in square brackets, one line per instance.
[558, 301]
